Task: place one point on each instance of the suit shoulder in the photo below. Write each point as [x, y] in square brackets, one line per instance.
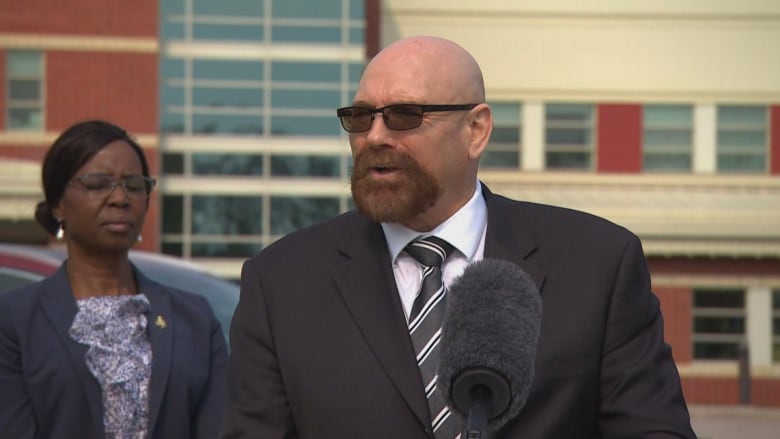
[326, 234]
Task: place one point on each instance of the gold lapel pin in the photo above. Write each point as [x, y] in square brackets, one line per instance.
[160, 322]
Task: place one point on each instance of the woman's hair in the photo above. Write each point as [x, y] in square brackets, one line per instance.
[72, 149]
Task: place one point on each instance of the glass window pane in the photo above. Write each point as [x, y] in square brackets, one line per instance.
[750, 140]
[568, 112]
[305, 166]
[171, 68]
[226, 164]
[173, 163]
[666, 162]
[741, 163]
[357, 9]
[307, 9]
[305, 126]
[656, 139]
[741, 115]
[715, 351]
[172, 214]
[719, 325]
[570, 160]
[505, 135]
[306, 34]
[25, 119]
[171, 7]
[227, 32]
[506, 114]
[500, 159]
[292, 213]
[569, 137]
[227, 124]
[226, 215]
[172, 123]
[227, 97]
[234, 8]
[355, 72]
[226, 70]
[305, 99]
[306, 71]
[172, 95]
[357, 35]
[719, 299]
[22, 63]
[669, 115]
[173, 248]
[24, 89]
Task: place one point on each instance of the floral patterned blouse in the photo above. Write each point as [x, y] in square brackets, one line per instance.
[120, 358]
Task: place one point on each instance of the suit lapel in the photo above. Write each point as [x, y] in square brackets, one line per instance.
[367, 286]
[61, 308]
[508, 237]
[160, 323]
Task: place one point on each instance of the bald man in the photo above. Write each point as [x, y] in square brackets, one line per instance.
[321, 344]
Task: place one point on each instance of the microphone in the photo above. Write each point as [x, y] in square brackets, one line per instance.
[488, 344]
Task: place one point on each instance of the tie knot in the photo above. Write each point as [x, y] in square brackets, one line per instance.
[429, 251]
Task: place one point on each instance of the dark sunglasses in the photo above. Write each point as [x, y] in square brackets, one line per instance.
[398, 117]
[102, 185]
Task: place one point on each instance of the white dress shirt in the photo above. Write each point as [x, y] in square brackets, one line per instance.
[465, 230]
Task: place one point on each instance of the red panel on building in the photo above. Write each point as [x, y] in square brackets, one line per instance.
[619, 138]
[774, 140]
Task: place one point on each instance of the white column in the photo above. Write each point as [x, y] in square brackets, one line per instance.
[533, 136]
[758, 303]
[704, 138]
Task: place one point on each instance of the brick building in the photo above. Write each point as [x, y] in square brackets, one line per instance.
[664, 118]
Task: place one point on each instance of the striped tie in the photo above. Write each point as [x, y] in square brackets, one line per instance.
[425, 328]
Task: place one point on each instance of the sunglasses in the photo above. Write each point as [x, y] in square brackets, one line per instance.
[398, 117]
[102, 185]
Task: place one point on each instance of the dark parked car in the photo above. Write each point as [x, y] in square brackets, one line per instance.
[24, 264]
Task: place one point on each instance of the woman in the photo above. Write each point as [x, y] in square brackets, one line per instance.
[98, 350]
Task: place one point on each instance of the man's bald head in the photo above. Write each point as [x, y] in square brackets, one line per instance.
[430, 68]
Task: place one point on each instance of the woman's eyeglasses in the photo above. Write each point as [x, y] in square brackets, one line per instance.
[102, 185]
[398, 117]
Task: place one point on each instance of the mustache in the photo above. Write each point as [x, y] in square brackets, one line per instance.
[382, 158]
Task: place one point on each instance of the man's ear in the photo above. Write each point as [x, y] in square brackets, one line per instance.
[480, 123]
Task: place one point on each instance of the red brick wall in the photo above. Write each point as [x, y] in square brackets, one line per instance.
[676, 304]
[709, 390]
[725, 390]
[82, 17]
[120, 87]
[619, 138]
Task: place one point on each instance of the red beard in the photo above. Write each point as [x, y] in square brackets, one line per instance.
[397, 200]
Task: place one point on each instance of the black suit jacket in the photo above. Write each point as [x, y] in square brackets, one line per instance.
[320, 347]
[47, 391]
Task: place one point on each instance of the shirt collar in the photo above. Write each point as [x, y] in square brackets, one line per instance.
[463, 229]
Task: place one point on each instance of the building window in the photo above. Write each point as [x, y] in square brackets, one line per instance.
[24, 90]
[718, 324]
[504, 148]
[667, 138]
[742, 139]
[569, 132]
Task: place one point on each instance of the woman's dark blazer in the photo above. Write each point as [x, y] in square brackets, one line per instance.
[47, 391]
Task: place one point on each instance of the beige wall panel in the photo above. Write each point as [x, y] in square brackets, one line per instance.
[619, 58]
[580, 7]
